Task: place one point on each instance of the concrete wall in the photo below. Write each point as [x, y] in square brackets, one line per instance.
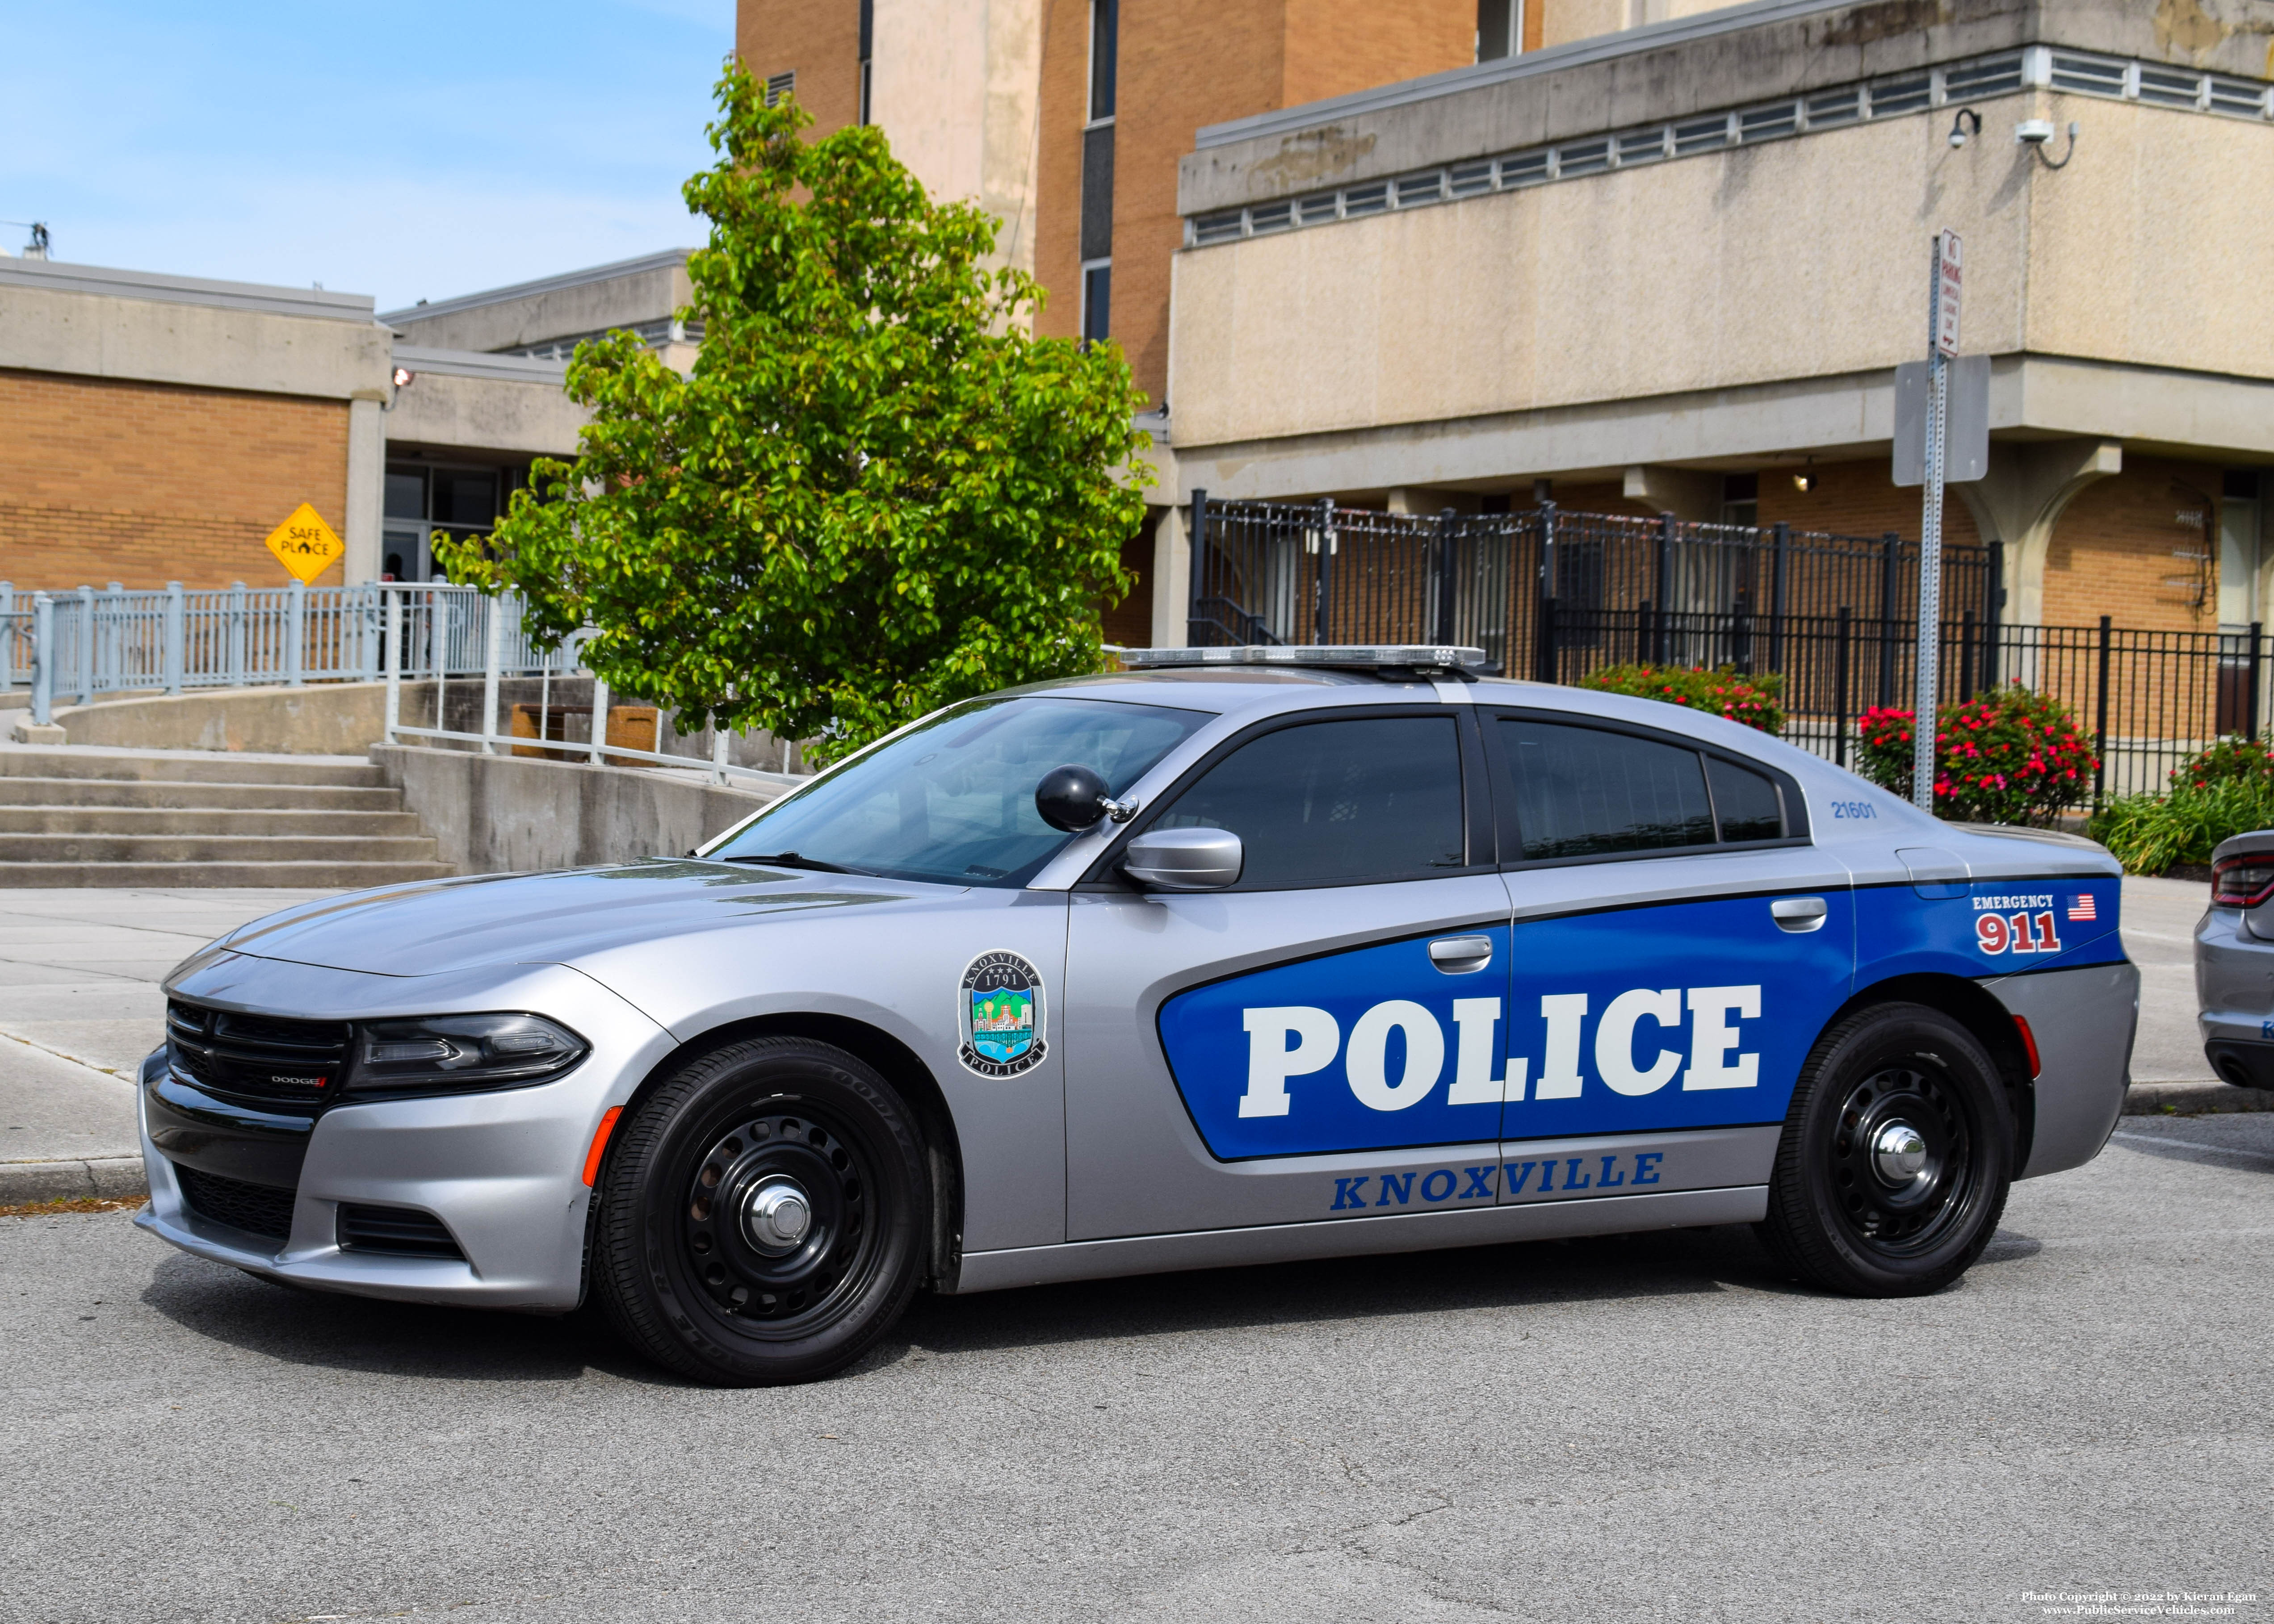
[495, 814]
[1798, 260]
[581, 302]
[333, 718]
[1686, 65]
[953, 84]
[454, 402]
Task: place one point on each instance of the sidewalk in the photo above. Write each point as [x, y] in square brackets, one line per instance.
[79, 1006]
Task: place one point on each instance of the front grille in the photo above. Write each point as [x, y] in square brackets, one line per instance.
[258, 1209]
[262, 1057]
[404, 1231]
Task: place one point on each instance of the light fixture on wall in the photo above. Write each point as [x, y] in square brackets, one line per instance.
[2037, 134]
[1803, 481]
[1967, 123]
[403, 377]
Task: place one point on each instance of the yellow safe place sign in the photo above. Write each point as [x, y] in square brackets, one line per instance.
[305, 545]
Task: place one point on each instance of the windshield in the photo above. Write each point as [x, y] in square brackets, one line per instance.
[955, 799]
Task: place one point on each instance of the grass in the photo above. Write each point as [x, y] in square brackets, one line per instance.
[74, 1203]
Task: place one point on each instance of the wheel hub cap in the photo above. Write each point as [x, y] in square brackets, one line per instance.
[1898, 1154]
[776, 1216]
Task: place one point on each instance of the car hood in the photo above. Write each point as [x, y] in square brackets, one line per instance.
[449, 925]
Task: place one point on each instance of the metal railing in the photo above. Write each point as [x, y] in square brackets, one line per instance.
[76, 646]
[67, 647]
[1555, 596]
[434, 633]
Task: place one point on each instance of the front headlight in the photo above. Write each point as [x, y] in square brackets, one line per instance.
[458, 1054]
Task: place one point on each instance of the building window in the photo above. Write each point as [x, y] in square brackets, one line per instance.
[1096, 301]
[1105, 48]
[1741, 499]
[867, 51]
[1098, 173]
[1500, 29]
[423, 501]
[780, 85]
[2239, 590]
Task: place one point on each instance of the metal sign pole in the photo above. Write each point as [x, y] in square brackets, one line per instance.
[1942, 337]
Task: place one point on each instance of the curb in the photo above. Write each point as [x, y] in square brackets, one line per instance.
[106, 1177]
[2193, 1099]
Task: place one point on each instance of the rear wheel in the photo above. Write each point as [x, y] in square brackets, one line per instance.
[761, 1216]
[1896, 1156]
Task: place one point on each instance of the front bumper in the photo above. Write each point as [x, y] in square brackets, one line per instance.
[503, 1171]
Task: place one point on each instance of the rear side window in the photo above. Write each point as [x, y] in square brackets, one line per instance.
[1745, 802]
[1584, 791]
[1324, 803]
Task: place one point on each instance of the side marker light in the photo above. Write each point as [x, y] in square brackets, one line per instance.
[2028, 1043]
[608, 1125]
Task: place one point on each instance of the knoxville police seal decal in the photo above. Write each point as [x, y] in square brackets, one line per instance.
[1000, 1011]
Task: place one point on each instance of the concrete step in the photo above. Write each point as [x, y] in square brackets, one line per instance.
[23, 791]
[70, 820]
[334, 876]
[202, 850]
[217, 767]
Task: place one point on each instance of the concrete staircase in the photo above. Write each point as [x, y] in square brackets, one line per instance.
[183, 818]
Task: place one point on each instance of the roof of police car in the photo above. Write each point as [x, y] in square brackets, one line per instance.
[1258, 691]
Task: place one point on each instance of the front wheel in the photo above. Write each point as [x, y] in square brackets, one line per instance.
[1896, 1155]
[760, 1214]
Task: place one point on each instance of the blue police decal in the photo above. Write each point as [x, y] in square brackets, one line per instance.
[1685, 1015]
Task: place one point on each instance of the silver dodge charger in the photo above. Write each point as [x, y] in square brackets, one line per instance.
[1233, 957]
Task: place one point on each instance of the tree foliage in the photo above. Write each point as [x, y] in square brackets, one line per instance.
[875, 493]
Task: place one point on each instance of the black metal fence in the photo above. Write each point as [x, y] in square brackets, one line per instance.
[1552, 596]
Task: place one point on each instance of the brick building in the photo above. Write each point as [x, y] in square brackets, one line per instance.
[1662, 256]
[156, 428]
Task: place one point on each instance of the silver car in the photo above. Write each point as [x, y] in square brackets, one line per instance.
[1235, 957]
[2234, 962]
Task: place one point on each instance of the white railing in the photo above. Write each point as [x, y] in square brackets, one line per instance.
[460, 631]
[73, 647]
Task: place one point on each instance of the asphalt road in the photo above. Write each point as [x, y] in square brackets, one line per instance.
[1649, 1428]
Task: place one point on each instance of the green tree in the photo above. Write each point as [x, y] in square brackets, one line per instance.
[876, 493]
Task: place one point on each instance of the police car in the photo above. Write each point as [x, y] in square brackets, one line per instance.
[1233, 957]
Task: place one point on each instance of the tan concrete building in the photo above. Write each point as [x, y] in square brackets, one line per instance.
[1673, 267]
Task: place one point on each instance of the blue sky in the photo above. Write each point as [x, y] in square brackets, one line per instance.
[408, 151]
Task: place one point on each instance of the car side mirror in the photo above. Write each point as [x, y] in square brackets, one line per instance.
[1073, 798]
[1184, 858]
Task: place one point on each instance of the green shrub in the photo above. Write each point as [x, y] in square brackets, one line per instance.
[2149, 834]
[2230, 761]
[1757, 702]
[2012, 756]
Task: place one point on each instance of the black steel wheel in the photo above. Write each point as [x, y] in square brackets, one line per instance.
[1896, 1155]
[762, 1216]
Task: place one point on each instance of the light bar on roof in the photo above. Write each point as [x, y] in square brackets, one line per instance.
[1361, 656]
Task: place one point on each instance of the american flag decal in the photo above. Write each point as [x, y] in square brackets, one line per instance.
[2082, 908]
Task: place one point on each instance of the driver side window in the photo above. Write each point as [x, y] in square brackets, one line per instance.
[1337, 803]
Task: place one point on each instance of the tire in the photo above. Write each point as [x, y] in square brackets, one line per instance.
[701, 1260]
[1844, 1216]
